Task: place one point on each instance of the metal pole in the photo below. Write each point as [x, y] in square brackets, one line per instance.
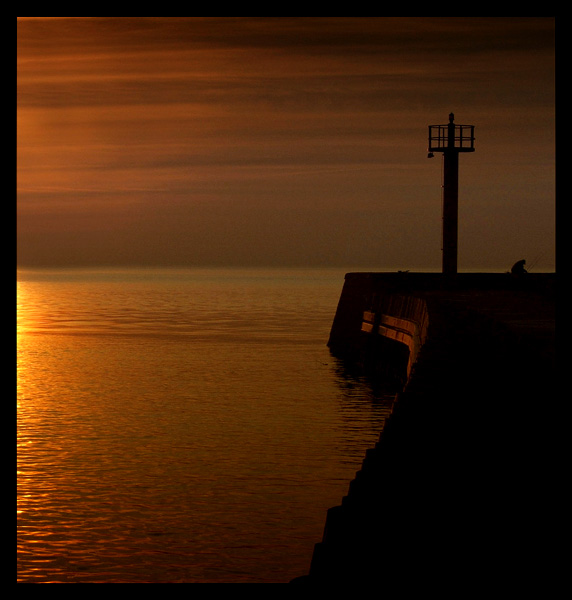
[450, 202]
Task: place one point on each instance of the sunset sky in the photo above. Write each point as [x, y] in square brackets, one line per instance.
[295, 141]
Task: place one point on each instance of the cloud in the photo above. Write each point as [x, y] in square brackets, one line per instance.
[128, 118]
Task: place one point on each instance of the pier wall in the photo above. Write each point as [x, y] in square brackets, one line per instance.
[380, 324]
[449, 491]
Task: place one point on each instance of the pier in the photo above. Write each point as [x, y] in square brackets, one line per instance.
[458, 488]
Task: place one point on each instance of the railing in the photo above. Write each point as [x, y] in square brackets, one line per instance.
[444, 137]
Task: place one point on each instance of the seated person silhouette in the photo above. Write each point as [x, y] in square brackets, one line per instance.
[518, 267]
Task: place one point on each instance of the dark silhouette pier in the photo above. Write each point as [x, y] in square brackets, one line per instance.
[454, 490]
[453, 497]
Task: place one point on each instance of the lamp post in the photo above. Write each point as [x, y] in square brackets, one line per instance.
[450, 139]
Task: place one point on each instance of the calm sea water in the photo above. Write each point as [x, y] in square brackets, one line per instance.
[181, 425]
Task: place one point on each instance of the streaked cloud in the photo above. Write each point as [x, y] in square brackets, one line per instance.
[261, 135]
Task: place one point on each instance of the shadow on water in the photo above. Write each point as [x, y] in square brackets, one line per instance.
[351, 379]
[364, 396]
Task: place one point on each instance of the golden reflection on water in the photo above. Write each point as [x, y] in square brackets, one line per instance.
[51, 440]
[162, 437]
[23, 383]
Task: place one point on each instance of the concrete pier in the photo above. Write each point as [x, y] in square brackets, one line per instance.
[455, 491]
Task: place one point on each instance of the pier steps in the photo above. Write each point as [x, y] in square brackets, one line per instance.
[452, 488]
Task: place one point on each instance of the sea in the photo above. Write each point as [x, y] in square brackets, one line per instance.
[182, 425]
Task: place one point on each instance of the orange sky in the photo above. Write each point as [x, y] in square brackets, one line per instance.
[282, 140]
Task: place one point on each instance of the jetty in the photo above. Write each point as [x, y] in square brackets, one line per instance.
[458, 487]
